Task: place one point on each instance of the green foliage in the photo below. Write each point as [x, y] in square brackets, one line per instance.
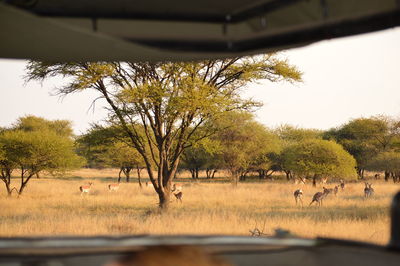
[385, 161]
[245, 143]
[290, 134]
[108, 147]
[34, 145]
[34, 123]
[319, 157]
[39, 150]
[365, 138]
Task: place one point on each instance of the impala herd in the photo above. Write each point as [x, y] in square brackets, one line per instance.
[298, 194]
[319, 196]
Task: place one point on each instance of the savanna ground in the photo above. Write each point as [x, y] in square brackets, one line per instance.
[54, 206]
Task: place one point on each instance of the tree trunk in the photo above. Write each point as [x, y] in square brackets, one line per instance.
[360, 173]
[119, 174]
[193, 173]
[261, 174]
[164, 199]
[128, 174]
[138, 174]
[197, 173]
[208, 173]
[387, 175]
[9, 190]
[213, 173]
[314, 181]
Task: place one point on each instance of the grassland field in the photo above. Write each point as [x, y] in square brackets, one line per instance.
[54, 206]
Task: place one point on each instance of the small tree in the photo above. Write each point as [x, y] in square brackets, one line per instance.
[32, 152]
[245, 144]
[317, 158]
[126, 158]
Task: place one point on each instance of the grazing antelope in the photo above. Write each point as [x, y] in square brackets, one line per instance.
[113, 187]
[342, 184]
[85, 188]
[298, 195]
[178, 196]
[319, 196]
[368, 190]
[377, 176]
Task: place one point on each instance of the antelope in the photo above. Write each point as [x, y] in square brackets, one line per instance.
[113, 187]
[327, 191]
[319, 196]
[335, 190]
[176, 188]
[368, 190]
[342, 184]
[178, 196]
[377, 176]
[298, 195]
[85, 188]
[324, 180]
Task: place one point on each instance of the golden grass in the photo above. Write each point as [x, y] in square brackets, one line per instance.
[55, 207]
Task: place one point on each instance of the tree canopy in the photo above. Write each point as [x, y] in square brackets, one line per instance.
[33, 151]
[317, 157]
[365, 138]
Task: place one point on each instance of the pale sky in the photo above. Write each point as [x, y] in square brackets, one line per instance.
[344, 78]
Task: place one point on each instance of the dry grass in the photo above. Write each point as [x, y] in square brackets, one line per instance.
[55, 207]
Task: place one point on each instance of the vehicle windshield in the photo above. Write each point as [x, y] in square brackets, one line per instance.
[303, 142]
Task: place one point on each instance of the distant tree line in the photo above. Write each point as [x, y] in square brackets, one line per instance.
[239, 145]
[243, 146]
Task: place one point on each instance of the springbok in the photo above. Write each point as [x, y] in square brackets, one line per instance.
[368, 190]
[298, 195]
[178, 196]
[113, 187]
[85, 188]
[324, 180]
[176, 188]
[335, 190]
[319, 196]
[328, 191]
[342, 184]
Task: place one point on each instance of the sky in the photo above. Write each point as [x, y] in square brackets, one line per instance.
[343, 79]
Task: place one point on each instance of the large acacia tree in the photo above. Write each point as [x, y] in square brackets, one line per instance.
[170, 100]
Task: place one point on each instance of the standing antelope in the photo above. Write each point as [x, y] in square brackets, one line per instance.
[85, 188]
[368, 190]
[113, 187]
[176, 188]
[298, 195]
[335, 190]
[319, 196]
[178, 196]
[342, 184]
